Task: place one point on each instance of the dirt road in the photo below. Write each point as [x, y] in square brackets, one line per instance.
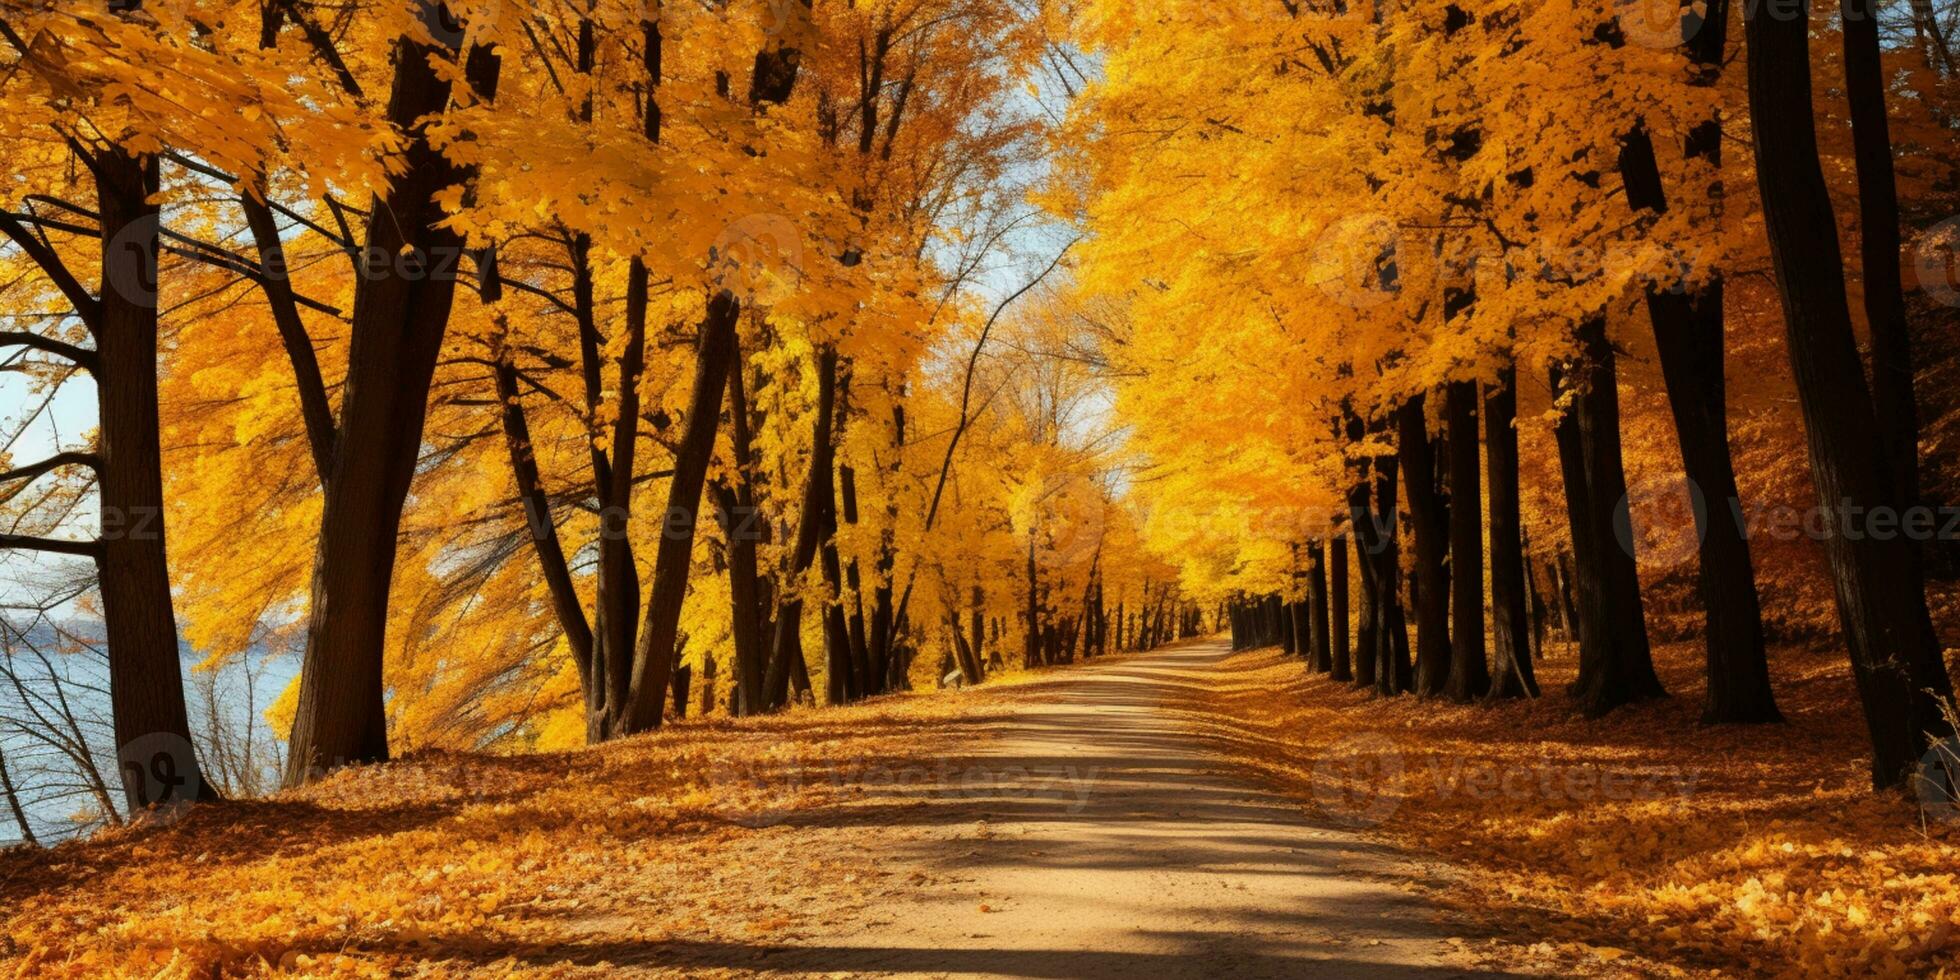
[1090, 834]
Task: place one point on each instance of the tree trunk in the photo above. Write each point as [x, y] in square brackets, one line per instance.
[1688, 336]
[12, 798]
[1394, 673]
[656, 652]
[1568, 606]
[1032, 655]
[840, 665]
[1366, 539]
[1615, 664]
[1429, 517]
[394, 340]
[1901, 675]
[1337, 614]
[1878, 229]
[1284, 620]
[788, 646]
[1322, 660]
[1511, 672]
[741, 525]
[1469, 669]
[146, 684]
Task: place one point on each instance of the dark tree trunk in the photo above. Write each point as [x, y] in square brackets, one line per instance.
[977, 621]
[11, 796]
[741, 525]
[315, 410]
[1540, 612]
[1337, 614]
[656, 652]
[1469, 669]
[1394, 673]
[1284, 619]
[395, 338]
[1902, 678]
[1032, 654]
[543, 528]
[840, 666]
[1568, 605]
[1615, 664]
[1367, 621]
[683, 681]
[146, 684]
[1429, 519]
[788, 645]
[1878, 228]
[1511, 672]
[870, 679]
[1322, 659]
[1688, 335]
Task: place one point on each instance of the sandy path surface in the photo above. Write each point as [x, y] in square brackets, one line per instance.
[1088, 833]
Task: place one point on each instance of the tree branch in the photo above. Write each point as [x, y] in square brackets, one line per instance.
[19, 542]
[55, 462]
[86, 305]
[19, 338]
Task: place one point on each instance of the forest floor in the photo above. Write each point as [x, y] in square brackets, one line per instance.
[1643, 842]
[1187, 812]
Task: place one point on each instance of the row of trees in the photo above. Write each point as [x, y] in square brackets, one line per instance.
[502, 361]
[1395, 222]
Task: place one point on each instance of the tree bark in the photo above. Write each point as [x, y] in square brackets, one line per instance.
[656, 652]
[1688, 326]
[741, 525]
[1430, 524]
[1615, 663]
[395, 338]
[1322, 658]
[1878, 230]
[789, 615]
[1469, 669]
[1895, 658]
[1337, 613]
[146, 686]
[1511, 670]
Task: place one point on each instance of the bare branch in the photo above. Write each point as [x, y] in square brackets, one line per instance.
[16, 338]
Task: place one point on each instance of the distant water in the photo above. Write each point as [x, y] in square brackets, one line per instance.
[50, 782]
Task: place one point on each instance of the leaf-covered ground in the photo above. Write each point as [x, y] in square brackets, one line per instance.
[440, 864]
[1539, 843]
[1642, 842]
